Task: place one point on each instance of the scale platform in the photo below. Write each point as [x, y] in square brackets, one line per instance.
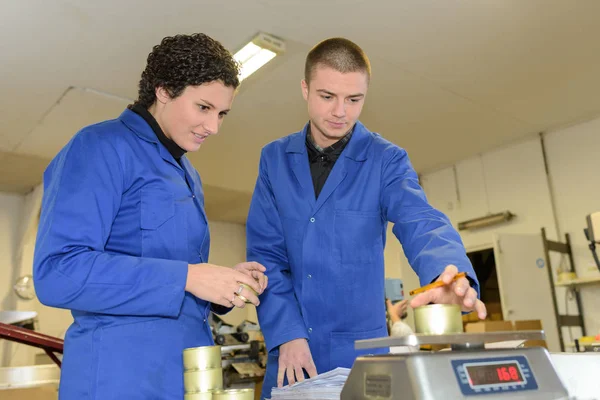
[468, 371]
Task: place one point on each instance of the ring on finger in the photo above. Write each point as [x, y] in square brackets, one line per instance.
[242, 298]
[239, 291]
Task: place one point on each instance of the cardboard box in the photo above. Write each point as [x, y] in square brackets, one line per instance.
[470, 317]
[495, 317]
[499, 326]
[528, 325]
[488, 326]
[494, 308]
[531, 325]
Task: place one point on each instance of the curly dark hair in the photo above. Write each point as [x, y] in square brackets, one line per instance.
[186, 60]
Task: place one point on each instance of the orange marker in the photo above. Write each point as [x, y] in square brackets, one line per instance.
[436, 284]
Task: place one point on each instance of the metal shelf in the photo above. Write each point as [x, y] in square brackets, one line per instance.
[595, 280]
[563, 320]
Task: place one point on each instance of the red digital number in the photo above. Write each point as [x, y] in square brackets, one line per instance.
[513, 373]
[507, 374]
[503, 374]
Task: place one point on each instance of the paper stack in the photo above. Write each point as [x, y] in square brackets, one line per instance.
[326, 386]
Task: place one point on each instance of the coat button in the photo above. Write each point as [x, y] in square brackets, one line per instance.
[312, 219]
[309, 276]
[309, 330]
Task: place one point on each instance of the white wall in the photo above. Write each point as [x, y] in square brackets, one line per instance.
[511, 178]
[51, 321]
[10, 213]
[514, 178]
[228, 248]
[574, 166]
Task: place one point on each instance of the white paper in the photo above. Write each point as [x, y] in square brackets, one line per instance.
[507, 344]
[580, 373]
[326, 386]
[404, 349]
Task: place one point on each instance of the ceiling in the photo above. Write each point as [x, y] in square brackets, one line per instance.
[451, 78]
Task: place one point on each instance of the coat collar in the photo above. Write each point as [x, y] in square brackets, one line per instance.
[356, 149]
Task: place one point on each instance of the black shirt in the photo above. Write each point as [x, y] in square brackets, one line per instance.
[321, 161]
[173, 148]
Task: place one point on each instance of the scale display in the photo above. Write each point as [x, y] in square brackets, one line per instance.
[493, 375]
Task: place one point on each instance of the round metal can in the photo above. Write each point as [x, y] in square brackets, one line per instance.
[198, 396]
[249, 288]
[438, 319]
[234, 394]
[203, 380]
[205, 357]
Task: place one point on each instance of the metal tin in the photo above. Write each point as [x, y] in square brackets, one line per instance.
[206, 357]
[438, 319]
[203, 380]
[234, 394]
[198, 396]
[250, 289]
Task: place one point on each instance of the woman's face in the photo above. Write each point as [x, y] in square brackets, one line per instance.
[193, 116]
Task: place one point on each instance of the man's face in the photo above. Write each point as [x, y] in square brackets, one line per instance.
[197, 113]
[335, 100]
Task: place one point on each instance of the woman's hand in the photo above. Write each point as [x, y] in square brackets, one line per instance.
[222, 285]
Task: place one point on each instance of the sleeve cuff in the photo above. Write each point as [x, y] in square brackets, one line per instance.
[299, 333]
[179, 279]
[219, 309]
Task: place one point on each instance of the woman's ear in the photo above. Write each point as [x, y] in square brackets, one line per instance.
[162, 95]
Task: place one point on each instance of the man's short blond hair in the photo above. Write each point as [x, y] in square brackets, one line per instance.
[339, 54]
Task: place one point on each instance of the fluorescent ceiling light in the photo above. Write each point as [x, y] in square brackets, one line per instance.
[259, 51]
[252, 57]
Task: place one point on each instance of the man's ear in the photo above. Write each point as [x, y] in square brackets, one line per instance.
[304, 86]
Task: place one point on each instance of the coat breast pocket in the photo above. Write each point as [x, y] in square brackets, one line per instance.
[159, 231]
[358, 236]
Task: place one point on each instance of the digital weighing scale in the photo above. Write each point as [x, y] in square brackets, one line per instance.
[468, 371]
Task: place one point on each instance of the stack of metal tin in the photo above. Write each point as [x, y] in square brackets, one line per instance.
[202, 372]
[203, 376]
[233, 394]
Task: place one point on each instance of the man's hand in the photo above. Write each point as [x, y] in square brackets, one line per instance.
[255, 270]
[459, 292]
[294, 356]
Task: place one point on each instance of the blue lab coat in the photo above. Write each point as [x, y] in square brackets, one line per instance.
[121, 219]
[324, 257]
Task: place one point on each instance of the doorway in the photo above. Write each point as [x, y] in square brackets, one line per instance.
[484, 264]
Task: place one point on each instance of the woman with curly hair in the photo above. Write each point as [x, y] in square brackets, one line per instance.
[123, 239]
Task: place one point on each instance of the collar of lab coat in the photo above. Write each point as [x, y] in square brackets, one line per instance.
[357, 148]
[144, 131]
